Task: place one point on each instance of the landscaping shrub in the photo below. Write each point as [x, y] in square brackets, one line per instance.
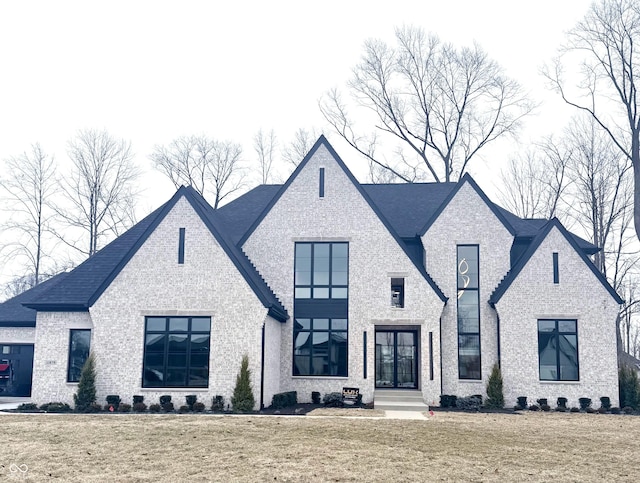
[495, 397]
[448, 401]
[534, 407]
[242, 400]
[603, 410]
[94, 408]
[168, 407]
[590, 410]
[184, 409]
[615, 410]
[124, 408]
[574, 410]
[469, 403]
[561, 409]
[545, 407]
[542, 401]
[585, 403]
[522, 401]
[562, 402]
[198, 407]
[155, 408]
[284, 399]
[217, 403]
[56, 407]
[333, 400]
[140, 407]
[27, 407]
[315, 397]
[138, 399]
[85, 396]
[517, 407]
[629, 387]
[191, 400]
[605, 402]
[627, 410]
[113, 400]
[165, 399]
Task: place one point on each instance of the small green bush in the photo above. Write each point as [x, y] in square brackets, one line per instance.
[333, 400]
[140, 407]
[495, 397]
[155, 408]
[615, 410]
[124, 408]
[545, 407]
[243, 400]
[198, 407]
[85, 396]
[284, 400]
[56, 407]
[534, 407]
[629, 387]
[603, 410]
[590, 410]
[184, 409]
[627, 410]
[574, 410]
[27, 407]
[217, 404]
[168, 407]
[315, 397]
[469, 403]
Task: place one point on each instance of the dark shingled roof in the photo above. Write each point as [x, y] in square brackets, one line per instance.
[14, 314]
[84, 284]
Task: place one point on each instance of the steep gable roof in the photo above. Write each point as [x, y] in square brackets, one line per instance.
[86, 283]
[322, 141]
[14, 314]
[467, 179]
[506, 282]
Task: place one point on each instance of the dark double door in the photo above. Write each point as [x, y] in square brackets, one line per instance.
[16, 369]
[397, 359]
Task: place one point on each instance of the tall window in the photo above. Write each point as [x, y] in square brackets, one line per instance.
[558, 350]
[320, 347]
[321, 270]
[468, 313]
[176, 352]
[79, 346]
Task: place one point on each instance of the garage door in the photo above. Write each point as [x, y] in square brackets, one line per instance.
[16, 368]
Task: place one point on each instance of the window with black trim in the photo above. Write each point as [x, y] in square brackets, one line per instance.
[397, 292]
[320, 347]
[79, 347]
[558, 350]
[321, 270]
[468, 312]
[556, 269]
[176, 352]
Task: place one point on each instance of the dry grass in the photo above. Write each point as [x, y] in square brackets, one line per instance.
[447, 447]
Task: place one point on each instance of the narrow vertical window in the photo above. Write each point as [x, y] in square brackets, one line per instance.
[468, 312]
[556, 271]
[431, 356]
[181, 246]
[397, 292]
[364, 344]
[321, 182]
[79, 346]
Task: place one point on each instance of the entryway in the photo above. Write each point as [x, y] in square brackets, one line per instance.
[16, 369]
[397, 359]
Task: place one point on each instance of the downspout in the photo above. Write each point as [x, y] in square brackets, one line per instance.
[498, 333]
[440, 339]
[262, 368]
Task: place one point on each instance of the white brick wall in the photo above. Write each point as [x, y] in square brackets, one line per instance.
[467, 220]
[580, 296]
[17, 335]
[153, 283]
[374, 256]
[272, 355]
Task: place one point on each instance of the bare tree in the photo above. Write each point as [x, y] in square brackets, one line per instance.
[534, 187]
[265, 146]
[440, 103]
[27, 187]
[100, 192]
[297, 149]
[602, 49]
[211, 167]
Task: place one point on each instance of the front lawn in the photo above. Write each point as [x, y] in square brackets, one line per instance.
[446, 447]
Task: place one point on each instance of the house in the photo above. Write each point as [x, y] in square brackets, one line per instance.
[327, 283]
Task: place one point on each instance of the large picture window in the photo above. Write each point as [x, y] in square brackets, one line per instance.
[320, 347]
[468, 312]
[558, 350]
[176, 352]
[79, 347]
[321, 270]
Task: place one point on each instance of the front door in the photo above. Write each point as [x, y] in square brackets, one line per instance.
[16, 369]
[397, 359]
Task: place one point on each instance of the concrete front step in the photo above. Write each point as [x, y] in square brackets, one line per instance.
[399, 400]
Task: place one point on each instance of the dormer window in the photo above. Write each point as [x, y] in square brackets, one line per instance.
[397, 292]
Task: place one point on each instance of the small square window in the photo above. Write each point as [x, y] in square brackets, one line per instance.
[397, 292]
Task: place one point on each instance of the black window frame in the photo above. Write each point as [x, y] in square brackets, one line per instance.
[397, 292]
[557, 333]
[556, 268]
[329, 364]
[74, 369]
[465, 335]
[181, 236]
[166, 352]
[312, 286]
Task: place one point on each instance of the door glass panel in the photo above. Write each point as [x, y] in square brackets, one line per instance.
[396, 359]
[385, 356]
